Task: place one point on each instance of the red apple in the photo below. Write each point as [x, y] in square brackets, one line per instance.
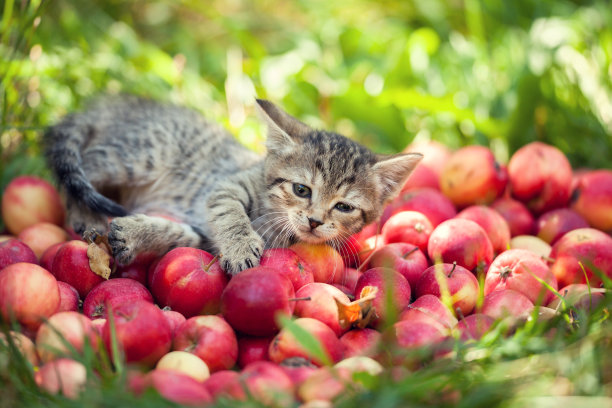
[516, 214]
[592, 199]
[251, 349]
[454, 281]
[361, 342]
[321, 304]
[71, 265]
[138, 269]
[540, 176]
[461, 241]
[298, 369]
[28, 200]
[63, 329]
[285, 345]
[422, 176]
[580, 296]
[226, 384]
[385, 280]
[433, 153]
[178, 387]
[492, 223]
[429, 308]
[174, 319]
[415, 334]
[368, 247]
[411, 227]
[112, 293]
[406, 259]
[22, 344]
[28, 293]
[324, 260]
[474, 326]
[46, 259]
[190, 281]
[519, 270]
[40, 236]
[473, 176]
[348, 279]
[268, 384]
[553, 224]
[428, 201]
[289, 264]
[325, 385]
[143, 333]
[13, 250]
[252, 300]
[211, 339]
[184, 363]
[64, 376]
[588, 247]
[505, 303]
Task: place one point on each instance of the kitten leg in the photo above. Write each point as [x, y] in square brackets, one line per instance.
[128, 236]
[83, 219]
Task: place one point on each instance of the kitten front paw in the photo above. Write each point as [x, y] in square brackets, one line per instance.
[120, 240]
[242, 253]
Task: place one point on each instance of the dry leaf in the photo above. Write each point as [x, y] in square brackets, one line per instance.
[359, 312]
[98, 253]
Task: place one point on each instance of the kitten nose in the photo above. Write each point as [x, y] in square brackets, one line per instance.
[314, 223]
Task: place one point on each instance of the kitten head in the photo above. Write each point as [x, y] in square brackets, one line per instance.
[323, 185]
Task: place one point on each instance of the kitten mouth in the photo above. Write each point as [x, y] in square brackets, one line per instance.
[310, 236]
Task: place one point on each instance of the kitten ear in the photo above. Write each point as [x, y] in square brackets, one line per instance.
[393, 171]
[283, 129]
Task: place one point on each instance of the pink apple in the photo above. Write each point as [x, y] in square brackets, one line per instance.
[285, 345]
[516, 214]
[28, 200]
[428, 201]
[143, 333]
[422, 176]
[211, 339]
[174, 319]
[411, 227]
[226, 384]
[324, 385]
[553, 224]
[321, 304]
[492, 223]
[325, 262]
[184, 363]
[385, 280]
[588, 247]
[348, 279]
[461, 241]
[178, 387]
[429, 308]
[252, 300]
[22, 344]
[450, 280]
[473, 176]
[268, 384]
[69, 298]
[519, 270]
[28, 293]
[251, 349]
[506, 303]
[289, 264]
[404, 258]
[112, 293]
[592, 199]
[40, 236]
[361, 342]
[368, 247]
[71, 265]
[61, 329]
[433, 153]
[415, 334]
[46, 259]
[474, 326]
[298, 369]
[580, 296]
[64, 376]
[531, 243]
[540, 176]
[13, 250]
[190, 281]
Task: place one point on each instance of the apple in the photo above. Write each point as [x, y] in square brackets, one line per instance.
[226, 384]
[64, 376]
[361, 364]
[321, 304]
[349, 279]
[28, 200]
[325, 384]
[174, 319]
[386, 280]
[285, 345]
[251, 349]
[553, 224]
[324, 260]
[28, 293]
[433, 153]
[190, 281]
[474, 326]
[177, 387]
[506, 303]
[492, 223]
[351, 248]
[62, 333]
[138, 269]
[531, 243]
[98, 325]
[473, 176]
[71, 265]
[411, 227]
[452, 280]
[13, 250]
[112, 293]
[211, 339]
[368, 247]
[404, 258]
[428, 201]
[516, 214]
[361, 342]
[429, 307]
[22, 344]
[268, 384]
[253, 298]
[592, 199]
[142, 332]
[422, 176]
[40, 236]
[588, 247]
[46, 259]
[580, 296]
[540, 176]
[461, 241]
[298, 369]
[289, 264]
[409, 334]
[185, 363]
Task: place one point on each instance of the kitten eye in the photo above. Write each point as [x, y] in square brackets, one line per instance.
[344, 207]
[301, 190]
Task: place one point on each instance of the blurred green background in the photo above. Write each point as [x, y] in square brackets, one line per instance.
[385, 72]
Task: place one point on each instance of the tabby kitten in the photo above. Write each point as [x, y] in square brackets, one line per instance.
[135, 160]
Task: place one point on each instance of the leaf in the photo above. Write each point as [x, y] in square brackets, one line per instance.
[98, 253]
[359, 312]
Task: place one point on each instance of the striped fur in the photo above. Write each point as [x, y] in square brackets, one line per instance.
[138, 160]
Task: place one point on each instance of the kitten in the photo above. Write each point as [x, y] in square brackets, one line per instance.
[155, 159]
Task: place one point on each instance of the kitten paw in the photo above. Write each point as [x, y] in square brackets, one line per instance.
[242, 253]
[120, 239]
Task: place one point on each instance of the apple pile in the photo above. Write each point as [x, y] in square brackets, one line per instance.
[469, 244]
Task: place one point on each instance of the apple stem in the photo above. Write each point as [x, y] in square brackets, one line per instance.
[548, 258]
[505, 272]
[452, 270]
[207, 267]
[407, 254]
[298, 299]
